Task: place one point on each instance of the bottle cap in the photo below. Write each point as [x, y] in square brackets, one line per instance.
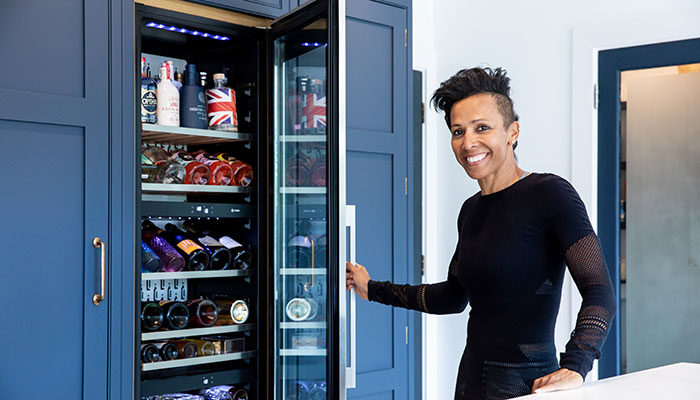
[219, 76]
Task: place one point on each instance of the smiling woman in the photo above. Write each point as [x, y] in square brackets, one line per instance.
[515, 237]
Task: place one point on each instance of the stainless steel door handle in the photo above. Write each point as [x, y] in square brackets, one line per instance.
[98, 243]
[351, 370]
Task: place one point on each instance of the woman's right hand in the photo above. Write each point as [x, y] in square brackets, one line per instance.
[357, 277]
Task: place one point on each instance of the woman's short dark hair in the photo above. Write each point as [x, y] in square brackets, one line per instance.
[469, 82]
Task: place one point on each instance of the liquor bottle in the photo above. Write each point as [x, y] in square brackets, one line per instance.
[299, 251]
[299, 170]
[318, 172]
[196, 173]
[241, 258]
[224, 390]
[149, 353]
[151, 317]
[167, 170]
[173, 74]
[149, 101]
[204, 347]
[232, 312]
[313, 118]
[193, 107]
[148, 170]
[221, 172]
[242, 172]
[203, 313]
[185, 348]
[168, 99]
[221, 106]
[221, 256]
[168, 351]
[149, 260]
[179, 80]
[197, 259]
[318, 391]
[171, 258]
[176, 314]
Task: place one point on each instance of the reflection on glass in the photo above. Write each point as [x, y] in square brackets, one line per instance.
[300, 203]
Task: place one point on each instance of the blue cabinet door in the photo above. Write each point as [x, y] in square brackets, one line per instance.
[266, 8]
[377, 136]
[54, 145]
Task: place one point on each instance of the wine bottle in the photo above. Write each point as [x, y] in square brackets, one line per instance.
[204, 347]
[299, 252]
[169, 255]
[203, 313]
[149, 260]
[151, 316]
[215, 393]
[168, 351]
[318, 391]
[168, 99]
[221, 106]
[177, 316]
[149, 353]
[167, 170]
[193, 107]
[238, 257]
[149, 101]
[242, 172]
[299, 169]
[318, 172]
[232, 311]
[197, 258]
[221, 256]
[185, 348]
[196, 173]
[221, 172]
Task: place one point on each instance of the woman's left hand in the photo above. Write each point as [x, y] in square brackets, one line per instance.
[562, 379]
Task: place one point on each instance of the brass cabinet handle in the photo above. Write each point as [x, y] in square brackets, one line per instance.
[98, 243]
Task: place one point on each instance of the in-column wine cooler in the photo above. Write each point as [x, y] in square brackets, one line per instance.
[241, 229]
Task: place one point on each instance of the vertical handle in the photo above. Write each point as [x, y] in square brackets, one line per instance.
[98, 243]
[351, 371]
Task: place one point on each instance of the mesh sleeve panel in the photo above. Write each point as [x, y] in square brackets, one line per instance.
[447, 297]
[588, 269]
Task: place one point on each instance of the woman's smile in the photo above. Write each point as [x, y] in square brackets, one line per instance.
[476, 159]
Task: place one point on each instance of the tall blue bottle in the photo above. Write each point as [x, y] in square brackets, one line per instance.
[193, 107]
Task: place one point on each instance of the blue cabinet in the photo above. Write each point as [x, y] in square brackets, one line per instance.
[266, 8]
[54, 131]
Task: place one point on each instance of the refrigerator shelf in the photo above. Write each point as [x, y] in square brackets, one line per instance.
[154, 276]
[302, 138]
[300, 190]
[182, 188]
[153, 133]
[303, 271]
[300, 352]
[214, 330]
[182, 383]
[302, 325]
[198, 360]
[196, 209]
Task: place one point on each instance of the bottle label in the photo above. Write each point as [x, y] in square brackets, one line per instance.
[221, 104]
[228, 242]
[149, 102]
[209, 241]
[188, 246]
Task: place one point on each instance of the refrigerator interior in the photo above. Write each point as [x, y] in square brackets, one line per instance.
[215, 210]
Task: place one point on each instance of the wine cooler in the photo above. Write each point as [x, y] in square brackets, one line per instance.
[243, 225]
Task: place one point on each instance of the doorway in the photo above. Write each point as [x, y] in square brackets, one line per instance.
[648, 202]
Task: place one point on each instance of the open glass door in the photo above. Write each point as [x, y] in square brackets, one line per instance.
[305, 204]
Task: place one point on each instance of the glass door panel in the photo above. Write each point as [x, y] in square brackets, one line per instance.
[300, 199]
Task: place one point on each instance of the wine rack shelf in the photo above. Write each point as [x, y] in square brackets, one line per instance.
[176, 135]
[303, 271]
[302, 325]
[186, 362]
[214, 330]
[151, 276]
[191, 209]
[181, 188]
[302, 138]
[302, 190]
[302, 352]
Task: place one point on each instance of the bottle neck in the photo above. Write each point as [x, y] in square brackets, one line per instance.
[165, 72]
[219, 82]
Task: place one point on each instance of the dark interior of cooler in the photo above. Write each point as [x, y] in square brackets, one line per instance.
[214, 47]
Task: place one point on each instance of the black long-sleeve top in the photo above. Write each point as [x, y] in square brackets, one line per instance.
[509, 265]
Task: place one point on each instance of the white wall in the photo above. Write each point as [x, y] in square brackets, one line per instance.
[548, 48]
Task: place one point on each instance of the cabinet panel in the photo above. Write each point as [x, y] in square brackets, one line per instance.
[268, 8]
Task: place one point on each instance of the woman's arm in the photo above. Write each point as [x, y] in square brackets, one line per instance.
[446, 297]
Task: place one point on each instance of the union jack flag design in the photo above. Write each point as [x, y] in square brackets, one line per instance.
[221, 106]
[314, 112]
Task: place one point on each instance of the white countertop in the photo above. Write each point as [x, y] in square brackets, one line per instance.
[679, 381]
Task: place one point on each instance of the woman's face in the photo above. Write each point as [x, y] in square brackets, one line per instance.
[479, 140]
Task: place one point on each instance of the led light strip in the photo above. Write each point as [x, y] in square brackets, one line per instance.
[186, 31]
[314, 44]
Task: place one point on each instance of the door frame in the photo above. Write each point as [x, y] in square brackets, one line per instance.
[587, 42]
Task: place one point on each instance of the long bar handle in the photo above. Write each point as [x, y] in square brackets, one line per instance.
[99, 243]
[351, 371]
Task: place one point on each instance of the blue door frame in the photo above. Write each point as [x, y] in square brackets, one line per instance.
[610, 64]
